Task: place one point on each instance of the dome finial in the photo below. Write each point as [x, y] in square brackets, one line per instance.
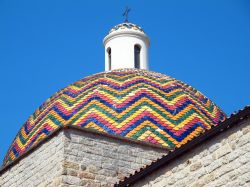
[125, 14]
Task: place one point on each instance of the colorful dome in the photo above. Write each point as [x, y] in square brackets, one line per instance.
[131, 103]
[126, 26]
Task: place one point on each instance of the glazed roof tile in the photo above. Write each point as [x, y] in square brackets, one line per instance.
[135, 104]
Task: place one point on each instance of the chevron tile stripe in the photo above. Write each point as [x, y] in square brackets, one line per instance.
[136, 104]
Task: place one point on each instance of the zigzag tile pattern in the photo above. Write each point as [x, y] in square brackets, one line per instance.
[136, 104]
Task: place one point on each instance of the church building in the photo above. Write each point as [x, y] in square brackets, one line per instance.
[129, 126]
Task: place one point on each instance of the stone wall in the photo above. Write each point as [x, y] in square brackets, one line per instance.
[221, 161]
[96, 160]
[41, 168]
[76, 158]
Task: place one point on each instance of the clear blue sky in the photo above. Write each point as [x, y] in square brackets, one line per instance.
[46, 45]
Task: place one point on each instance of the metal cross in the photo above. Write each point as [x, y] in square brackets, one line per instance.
[125, 14]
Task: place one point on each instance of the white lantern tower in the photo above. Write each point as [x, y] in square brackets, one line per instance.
[126, 46]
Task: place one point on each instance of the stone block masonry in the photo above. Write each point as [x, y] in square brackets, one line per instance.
[95, 160]
[78, 158]
[221, 161]
[74, 158]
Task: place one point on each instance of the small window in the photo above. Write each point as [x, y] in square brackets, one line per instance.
[137, 51]
[109, 58]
